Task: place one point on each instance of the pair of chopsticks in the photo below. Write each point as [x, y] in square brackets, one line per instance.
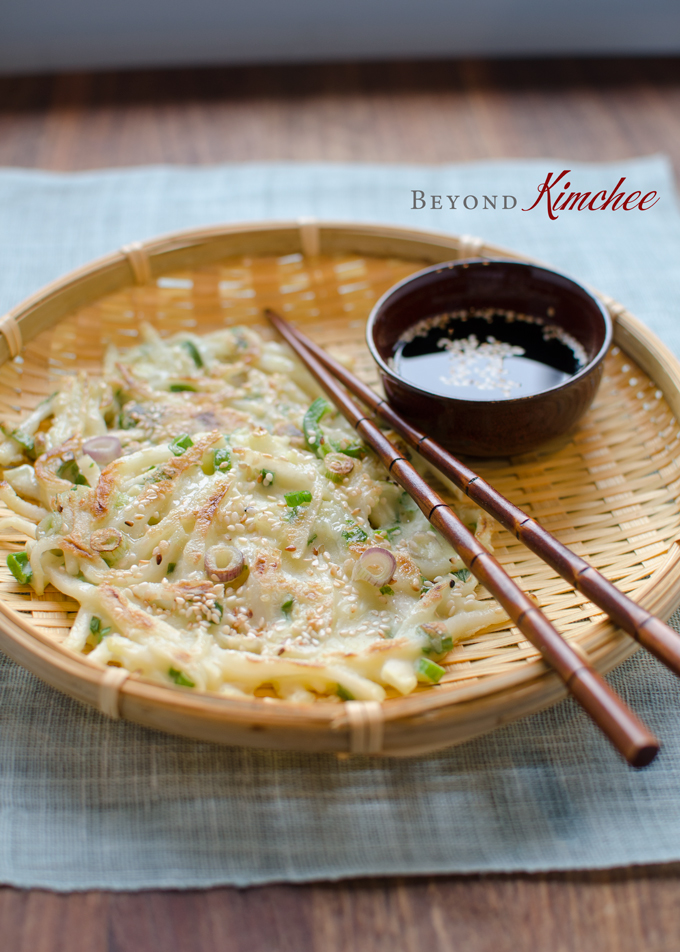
[625, 731]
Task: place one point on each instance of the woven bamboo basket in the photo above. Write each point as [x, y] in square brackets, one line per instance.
[610, 491]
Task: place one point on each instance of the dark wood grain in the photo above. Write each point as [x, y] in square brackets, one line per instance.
[616, 911]
[378, 112]
[388, 112]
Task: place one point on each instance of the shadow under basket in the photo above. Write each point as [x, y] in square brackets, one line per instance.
[610, 490]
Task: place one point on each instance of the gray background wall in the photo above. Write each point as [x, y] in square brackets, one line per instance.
[43, 35]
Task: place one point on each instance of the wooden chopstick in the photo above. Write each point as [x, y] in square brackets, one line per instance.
[652, 633]
[625, 731]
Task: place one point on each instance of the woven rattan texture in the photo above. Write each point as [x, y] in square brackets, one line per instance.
[609, 492]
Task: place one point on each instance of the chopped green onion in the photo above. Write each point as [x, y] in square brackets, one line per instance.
[180, 444]
[180, 678]
[298, 498]
[355, 534]
[171, 567]
[463, 574]
[20, 567]
[126, 421]
[106, 540]
[430, 671]
[352, 448]
[314, 437]
[220, 611]
[389, 532]
[182, 387]
[23, 439]
[96, 630]
[338, 466]
[267, 477]
[159, 476]
[69, 470]
[438, 645]
[386, 590]
[192, 351]
[343, 693]
[222, 459]
[219, 459]
[311, 539]
[287, 606]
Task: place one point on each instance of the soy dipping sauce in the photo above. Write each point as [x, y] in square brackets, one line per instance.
[487, 354]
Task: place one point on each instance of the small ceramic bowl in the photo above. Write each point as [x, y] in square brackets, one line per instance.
[502, 427]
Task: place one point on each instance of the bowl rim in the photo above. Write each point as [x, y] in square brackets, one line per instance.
[388, 371]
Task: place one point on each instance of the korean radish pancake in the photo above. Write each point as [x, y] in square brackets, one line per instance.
[223, 529]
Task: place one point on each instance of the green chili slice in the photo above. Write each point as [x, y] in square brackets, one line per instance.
[180, 444]
[314, 437]
[180, 678]
[430, 671]
[299, 498]
[69, 470]
[192, 351]
[20, 567]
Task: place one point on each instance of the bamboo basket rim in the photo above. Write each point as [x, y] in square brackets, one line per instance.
[606, 645]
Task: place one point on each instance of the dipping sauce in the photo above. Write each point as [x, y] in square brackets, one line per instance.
[487, 354]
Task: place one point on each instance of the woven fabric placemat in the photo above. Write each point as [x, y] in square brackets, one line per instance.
[91, 803]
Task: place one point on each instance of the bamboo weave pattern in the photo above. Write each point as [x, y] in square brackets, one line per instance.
[610, 492]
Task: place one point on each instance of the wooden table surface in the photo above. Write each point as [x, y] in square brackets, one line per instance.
[388, 112]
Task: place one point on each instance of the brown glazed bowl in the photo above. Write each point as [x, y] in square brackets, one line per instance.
[491, 427]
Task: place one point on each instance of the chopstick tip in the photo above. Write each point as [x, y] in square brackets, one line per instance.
[644, 756]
